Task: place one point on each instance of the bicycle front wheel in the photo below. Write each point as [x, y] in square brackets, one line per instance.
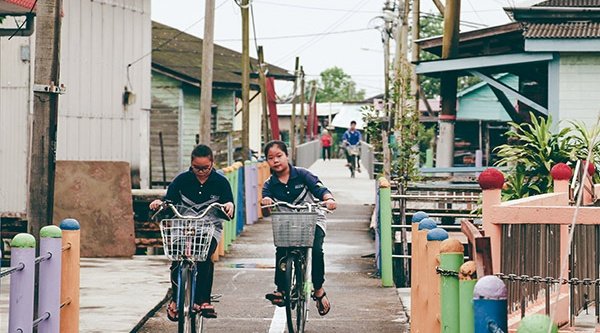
[301, 306]
[289, 297]
[185, 301]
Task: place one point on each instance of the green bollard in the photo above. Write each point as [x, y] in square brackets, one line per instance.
[385, 218]
[467, 278]
[451, 258]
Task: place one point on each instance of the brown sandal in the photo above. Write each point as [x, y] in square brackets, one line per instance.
[172, 311]
[276, 298]
[320, 306]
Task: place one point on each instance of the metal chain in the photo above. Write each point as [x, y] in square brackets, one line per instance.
[549, 280]
[445, 272]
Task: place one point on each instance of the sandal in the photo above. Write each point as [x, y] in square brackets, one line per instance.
[207, 310]
[276, 298]
[320, 306]
[172, 311]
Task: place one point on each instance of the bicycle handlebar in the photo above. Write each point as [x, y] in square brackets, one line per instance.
[306, 205]
[168, 204]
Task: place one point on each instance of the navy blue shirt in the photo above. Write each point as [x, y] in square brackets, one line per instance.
[353, 138]
[300, 184]
[187, 191]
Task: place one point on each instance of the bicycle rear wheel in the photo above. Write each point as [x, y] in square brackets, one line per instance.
[289, 293]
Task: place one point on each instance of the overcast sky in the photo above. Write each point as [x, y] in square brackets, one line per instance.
[341, 32]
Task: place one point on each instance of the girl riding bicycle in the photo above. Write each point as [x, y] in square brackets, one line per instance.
[193, 191]
[296, 185]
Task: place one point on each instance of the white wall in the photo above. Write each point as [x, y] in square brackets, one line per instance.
[255, 122]
[579, 97]
[15, 107]
[99, 39]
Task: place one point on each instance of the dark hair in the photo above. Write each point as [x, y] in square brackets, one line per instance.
[202, 151]
[353, 122]
[280, 144]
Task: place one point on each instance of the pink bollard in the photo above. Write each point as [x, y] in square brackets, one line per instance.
[20, 310]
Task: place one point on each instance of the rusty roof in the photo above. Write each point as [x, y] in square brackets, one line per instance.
[568, 3]
[180, 54]
[567, 30]
[16, 7]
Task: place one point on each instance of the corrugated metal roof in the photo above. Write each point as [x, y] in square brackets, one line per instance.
[568, 3]
[562, 30]
[181, 53]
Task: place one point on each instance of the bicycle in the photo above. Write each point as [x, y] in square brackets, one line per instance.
[295, 232]
[353, 152]
[187, 239]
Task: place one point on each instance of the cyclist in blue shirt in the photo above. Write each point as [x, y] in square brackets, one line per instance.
[352, 137]
[296, 185]
[193, 191]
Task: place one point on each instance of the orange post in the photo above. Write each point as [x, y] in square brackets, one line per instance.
[70, 277]
[431, 288]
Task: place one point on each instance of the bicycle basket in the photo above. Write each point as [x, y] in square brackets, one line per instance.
[294, 229]
[186, 238]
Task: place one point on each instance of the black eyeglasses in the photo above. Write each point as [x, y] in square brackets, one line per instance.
[202, 168]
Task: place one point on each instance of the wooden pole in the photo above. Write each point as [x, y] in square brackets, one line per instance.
[313, 97]
[293, 120]
[42, 159]
[445, 147]
[207, 71]
[263, 94]
[416, 34]
[245, 81]
[302, 102]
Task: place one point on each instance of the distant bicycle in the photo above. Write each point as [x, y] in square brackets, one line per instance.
[353, 157]
[295, 232]
[187, 239]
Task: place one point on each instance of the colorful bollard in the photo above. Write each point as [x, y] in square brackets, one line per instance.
[385, 209]
[20, 310]
[427, 224]
[467, 278]
[451, 258]
[50, 271]
[489, 304]
[537, 323]
[418, 216]
[70, 276]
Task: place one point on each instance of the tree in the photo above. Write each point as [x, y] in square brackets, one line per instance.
[337, 86]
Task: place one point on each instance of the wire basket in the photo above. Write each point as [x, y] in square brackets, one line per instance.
[294, 229]
[186, 238]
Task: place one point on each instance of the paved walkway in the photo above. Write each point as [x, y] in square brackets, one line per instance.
[117, 293]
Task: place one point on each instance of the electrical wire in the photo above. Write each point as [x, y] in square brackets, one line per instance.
[172, 38]
[300, 36]
[21, 25]
[337, 10]
[337, 23]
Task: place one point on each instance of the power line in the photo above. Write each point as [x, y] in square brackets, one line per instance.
[314, 8]
[331, 27]
[462, 22]
[300, 36]
[172, 38]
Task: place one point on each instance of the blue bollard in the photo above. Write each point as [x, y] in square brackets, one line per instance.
[427, 224]
[489, 304]
[50, 275]
[20, 310]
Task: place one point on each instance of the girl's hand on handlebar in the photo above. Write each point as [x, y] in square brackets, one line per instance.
[330, 204]
[266, 201]
[154, 205]
[228, 206]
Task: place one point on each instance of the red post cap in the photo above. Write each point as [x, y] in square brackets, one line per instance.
[591, 167]
[561, 171]
[491, 179]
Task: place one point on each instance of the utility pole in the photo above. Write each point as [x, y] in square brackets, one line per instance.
[245, 81]
[445, 146]
[263, 95]
[313, 108]
[302, 102]
[42, 162]
[293, 124]
[207, 72]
